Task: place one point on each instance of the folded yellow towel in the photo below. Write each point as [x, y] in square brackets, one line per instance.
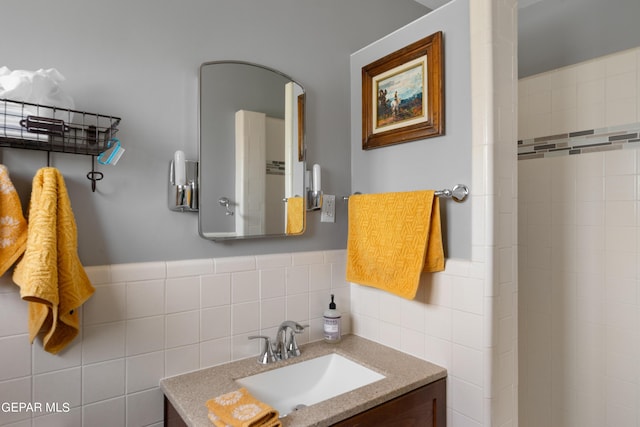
[13, 226]
[393, 238]
[295, 215]
[240, 409]
[49, 274]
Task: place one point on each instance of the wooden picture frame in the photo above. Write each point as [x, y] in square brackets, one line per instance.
[403, 95]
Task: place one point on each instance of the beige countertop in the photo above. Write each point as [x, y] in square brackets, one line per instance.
[403, 373]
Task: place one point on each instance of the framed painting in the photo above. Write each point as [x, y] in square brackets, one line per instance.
[402, 95]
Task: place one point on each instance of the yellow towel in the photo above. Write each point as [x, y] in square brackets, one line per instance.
[49, 274]
[13, 226]
[295, 215]
[393, 237]
[240, 409]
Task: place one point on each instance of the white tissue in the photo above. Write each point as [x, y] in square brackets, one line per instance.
[37, 87]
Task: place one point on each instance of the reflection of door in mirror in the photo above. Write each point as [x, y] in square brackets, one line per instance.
[251, 152]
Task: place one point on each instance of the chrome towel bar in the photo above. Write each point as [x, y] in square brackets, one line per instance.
[459, 193]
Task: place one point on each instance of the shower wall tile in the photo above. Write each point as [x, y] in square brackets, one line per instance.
[579, 280]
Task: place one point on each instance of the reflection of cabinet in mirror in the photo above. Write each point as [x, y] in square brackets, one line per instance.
[251, 152]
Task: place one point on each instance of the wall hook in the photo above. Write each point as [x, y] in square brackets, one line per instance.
[94, 176]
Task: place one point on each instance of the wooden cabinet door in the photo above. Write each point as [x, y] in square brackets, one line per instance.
[423, 407]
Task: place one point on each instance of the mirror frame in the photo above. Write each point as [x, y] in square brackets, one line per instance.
[301, 145]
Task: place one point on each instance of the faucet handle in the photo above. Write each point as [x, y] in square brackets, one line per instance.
[266, 354]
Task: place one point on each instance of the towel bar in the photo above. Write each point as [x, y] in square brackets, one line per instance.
[459, 193]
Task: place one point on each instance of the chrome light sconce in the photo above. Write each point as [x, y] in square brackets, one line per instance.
[183, 184]
[314, 190]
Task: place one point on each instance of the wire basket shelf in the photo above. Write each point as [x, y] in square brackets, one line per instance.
[47, 128]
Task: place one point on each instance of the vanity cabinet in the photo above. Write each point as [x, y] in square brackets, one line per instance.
[425, 407]
[171, 416]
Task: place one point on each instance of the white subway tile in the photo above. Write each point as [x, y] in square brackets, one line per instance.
[104, 341]
[182, 294]
[319, 277]
[16, 356]
[272, 283]
[245, 317]
[339, 275]
[466, 329]
[145, 298]
[335, 256]
[215, 290]
[306, 258]
[112, 410]
[412, 342]
[297, 279]
[215, 322]
[145, 408]
[182, 329]
[215, 352]
[144, 371]
[145, 335]
[99, 275]
[58, 387]
[138, 271]
[298, 307]
[19, 390]
[69, 357]
[273, 261]
[468, 398]
[15, 313]
[71, 418]
[242, 347]
[245, 286]
[192, 267]
[467, 364]
[180, 360]
[107, 304]
[104, 380]
[272, 312]
[468, 295]
[234, 264]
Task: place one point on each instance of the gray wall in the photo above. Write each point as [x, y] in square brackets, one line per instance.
[433, 163]
[139, 60]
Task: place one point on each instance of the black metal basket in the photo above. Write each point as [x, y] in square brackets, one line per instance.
[47, 128]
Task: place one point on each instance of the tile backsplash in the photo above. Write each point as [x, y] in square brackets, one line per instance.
[151, 320]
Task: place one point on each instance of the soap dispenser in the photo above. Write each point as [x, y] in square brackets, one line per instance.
[332, 326]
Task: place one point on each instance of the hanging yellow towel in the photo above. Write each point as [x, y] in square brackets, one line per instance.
[13, 226]
[240, 409]
[393, 238]
[295, 215]
[49, 274]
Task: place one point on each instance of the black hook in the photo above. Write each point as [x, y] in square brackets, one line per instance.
[94, 175]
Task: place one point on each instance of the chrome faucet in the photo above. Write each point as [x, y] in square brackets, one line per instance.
[285, 345]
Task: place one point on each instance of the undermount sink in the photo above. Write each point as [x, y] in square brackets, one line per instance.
[306, 383]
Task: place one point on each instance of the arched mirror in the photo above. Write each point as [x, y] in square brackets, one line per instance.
[252, 165]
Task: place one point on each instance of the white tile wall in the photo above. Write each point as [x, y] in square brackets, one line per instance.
[151, 320]
[579, 250]
[599, 93]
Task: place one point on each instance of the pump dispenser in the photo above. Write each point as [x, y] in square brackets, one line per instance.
[332, 323]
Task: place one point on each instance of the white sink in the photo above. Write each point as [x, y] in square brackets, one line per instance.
[306, 383]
